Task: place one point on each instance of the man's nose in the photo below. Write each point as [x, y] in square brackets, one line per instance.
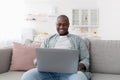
[61, 26]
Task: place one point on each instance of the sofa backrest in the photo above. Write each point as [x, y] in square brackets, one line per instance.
[105, 56]
[5, 59]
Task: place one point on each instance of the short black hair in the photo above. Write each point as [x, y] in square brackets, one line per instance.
[64, 17]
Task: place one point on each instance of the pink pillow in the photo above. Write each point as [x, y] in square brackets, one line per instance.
[23, 56]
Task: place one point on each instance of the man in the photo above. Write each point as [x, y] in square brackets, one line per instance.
[66, 41]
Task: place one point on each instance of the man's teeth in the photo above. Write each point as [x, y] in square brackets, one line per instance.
[61, 30]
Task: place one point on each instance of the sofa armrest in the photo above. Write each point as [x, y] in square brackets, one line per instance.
[5, 59]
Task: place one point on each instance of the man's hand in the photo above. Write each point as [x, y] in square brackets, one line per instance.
[81, 67]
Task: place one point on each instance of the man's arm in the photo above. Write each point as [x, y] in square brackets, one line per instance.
[43, 45]
[84, 56]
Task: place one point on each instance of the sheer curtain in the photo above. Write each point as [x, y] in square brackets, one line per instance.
[11, 20]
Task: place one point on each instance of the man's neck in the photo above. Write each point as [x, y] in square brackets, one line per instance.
[64, 34]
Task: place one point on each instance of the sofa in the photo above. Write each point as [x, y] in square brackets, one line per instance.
[104, 60]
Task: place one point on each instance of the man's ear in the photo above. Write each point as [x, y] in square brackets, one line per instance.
[68, 24]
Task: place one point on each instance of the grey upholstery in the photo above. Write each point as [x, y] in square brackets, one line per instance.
[104, 60]
[11, 75]
[101, 76]
[105, 56]
[5, 59]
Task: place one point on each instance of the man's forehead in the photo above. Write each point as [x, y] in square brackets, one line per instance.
[62, 19]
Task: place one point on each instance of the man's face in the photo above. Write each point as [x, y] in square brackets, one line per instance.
[62, 26]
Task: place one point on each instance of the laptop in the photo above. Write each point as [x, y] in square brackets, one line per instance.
[57, 60]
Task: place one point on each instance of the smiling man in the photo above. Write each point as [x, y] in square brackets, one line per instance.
[62, 25]
[63, 40]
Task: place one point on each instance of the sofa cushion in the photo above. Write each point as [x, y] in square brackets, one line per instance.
[98, 76]
[11, 75]
[105, 56]
[23, 56]
[5, 59]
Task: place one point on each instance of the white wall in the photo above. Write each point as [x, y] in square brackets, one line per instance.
[109, 11]
[61, 7]
[109, 14]
[11, 19]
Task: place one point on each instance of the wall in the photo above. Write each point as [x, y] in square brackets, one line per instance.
[11, 19]
[55, 7]
[109, 11]
[109, 14]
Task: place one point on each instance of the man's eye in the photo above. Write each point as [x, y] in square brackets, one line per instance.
[59, 24]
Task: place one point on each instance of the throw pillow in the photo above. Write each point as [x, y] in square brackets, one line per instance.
[23, 56]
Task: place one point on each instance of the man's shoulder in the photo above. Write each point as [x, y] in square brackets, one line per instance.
[51, 36]
[69, 35]
[74, 35]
